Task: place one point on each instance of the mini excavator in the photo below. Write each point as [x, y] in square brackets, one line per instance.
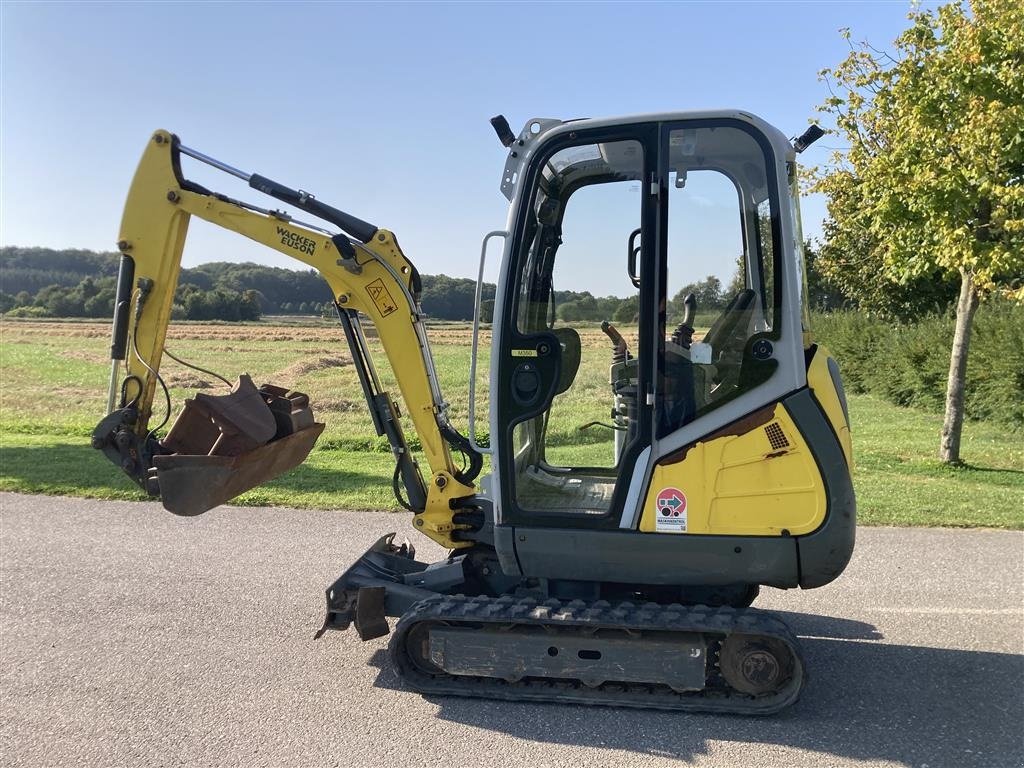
[625, 581]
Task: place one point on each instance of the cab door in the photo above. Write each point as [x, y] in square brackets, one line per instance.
[572, 413]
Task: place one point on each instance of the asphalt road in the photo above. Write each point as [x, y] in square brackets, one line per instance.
[132, 637]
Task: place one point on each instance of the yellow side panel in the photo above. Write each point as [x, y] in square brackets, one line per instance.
[820, 382]
[758, 483]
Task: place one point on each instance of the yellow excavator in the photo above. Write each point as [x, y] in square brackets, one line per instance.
[612, 572]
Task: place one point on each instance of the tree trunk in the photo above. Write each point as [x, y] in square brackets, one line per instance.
[949, 447]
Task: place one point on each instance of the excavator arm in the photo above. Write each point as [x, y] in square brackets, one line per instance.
[368, 276]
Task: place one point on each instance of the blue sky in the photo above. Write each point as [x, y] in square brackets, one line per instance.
[379, 109]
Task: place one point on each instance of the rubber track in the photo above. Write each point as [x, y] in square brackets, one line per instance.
[716, 623]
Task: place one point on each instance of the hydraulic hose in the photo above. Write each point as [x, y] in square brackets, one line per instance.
[461, 443]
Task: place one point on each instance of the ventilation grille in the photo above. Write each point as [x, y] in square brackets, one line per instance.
[776, 437]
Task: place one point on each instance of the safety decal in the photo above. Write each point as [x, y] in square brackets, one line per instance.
[670, 511]
[381, 297]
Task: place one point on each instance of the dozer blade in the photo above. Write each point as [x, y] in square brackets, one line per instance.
[191, 485]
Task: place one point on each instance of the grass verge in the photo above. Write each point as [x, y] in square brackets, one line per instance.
[53, 378]
[898, 480]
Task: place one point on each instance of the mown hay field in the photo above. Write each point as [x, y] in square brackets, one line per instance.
[53, 379]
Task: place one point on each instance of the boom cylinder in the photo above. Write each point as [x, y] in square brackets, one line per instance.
[361, 230]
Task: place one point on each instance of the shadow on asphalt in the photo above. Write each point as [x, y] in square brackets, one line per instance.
[865, 700]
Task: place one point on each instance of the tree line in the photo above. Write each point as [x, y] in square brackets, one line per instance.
[40, 282]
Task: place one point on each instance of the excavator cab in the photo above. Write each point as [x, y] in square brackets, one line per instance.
[661, 202]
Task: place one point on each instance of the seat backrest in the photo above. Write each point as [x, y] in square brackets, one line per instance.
[735, 317]
[572, 350]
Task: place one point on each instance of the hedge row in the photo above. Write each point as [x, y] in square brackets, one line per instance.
[907, 363]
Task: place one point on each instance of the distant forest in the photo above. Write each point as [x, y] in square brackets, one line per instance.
[41, 282]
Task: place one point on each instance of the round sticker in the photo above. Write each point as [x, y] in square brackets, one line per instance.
[671, 503]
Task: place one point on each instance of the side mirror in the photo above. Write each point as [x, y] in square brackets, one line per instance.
[807, 138]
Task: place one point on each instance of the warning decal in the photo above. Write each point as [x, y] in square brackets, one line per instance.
[381, 298]
[670, 511]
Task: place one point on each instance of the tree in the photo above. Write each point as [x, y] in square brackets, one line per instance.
[707, 293]
[933, 180]
[487, 311]
[59, 301]
[569, 312]
[249, 306]
[822, 294]
[196, 306]
[100, 304]
[627, 310]
[851, 264]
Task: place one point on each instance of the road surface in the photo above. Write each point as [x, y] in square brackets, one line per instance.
[133, 637]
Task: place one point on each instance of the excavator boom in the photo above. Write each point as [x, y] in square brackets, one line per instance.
[369, 277]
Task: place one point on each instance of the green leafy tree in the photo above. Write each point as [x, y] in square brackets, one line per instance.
[933, 180]
[100, 304]
[570, 312]
[249, 307]
[487, 311]
[60, 301]
[627, 310]
[707, 293]
[823, 295]
[196, 306]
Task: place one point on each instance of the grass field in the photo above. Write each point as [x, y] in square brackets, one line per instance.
[53, 378]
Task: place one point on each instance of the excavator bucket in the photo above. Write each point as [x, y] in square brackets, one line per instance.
[221, 446]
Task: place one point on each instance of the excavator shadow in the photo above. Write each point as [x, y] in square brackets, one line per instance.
[866, 700]
[74, 467]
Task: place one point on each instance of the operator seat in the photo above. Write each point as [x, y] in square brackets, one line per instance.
[733, 322]
[728, 339]
[572, 351]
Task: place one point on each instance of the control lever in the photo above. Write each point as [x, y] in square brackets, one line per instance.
[621, 352]
[683, 334]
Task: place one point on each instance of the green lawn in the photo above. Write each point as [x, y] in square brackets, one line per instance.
[900, 482]
[52, 392]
